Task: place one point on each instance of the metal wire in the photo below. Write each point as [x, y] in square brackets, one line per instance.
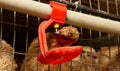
[0, 26]
[1, 23]
[14, 36]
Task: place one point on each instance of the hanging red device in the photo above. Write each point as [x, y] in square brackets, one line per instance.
[61, 54]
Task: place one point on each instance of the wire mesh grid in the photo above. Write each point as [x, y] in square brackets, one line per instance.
[100, 52]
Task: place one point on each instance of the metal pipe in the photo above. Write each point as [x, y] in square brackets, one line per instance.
[42, 10]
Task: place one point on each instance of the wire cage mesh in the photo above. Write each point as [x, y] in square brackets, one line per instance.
[100, 49]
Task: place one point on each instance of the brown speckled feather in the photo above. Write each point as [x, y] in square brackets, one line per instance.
[83, 62]
[97, 61]
[7, 62]
[31, 64]
[109, 58]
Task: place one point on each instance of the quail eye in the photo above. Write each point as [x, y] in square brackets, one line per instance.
[94, 57]
[83, 51]
[88, 55]
[88, 52]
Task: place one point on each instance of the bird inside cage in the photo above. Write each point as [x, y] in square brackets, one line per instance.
[89, 60]
[31, 64]
[7, 62]
[105, 59]
[109, 58]
[83, 62]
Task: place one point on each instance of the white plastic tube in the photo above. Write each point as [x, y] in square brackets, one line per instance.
[30, 7]
[42, 10]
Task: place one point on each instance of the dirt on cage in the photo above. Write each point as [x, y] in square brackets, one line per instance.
[20, 48]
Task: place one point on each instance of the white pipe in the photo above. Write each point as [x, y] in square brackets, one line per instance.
[28, 7]
[74, 18]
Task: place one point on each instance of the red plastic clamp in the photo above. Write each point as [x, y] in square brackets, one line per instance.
[56, 55]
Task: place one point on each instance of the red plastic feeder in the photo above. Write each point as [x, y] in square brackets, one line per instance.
[61, 54]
